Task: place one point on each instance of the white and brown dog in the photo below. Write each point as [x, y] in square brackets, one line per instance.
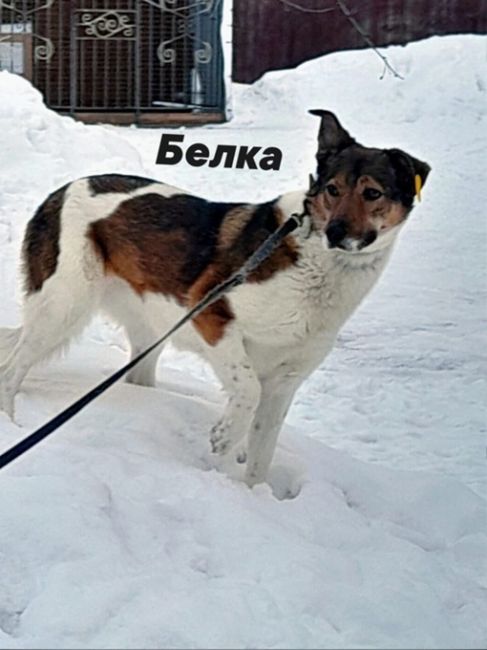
[143, 252]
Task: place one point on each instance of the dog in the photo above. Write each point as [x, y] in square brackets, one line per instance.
[144, 252]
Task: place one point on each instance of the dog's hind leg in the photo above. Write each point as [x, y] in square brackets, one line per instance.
[8, 339]
[52, 317]
[125, 307]
[140, 337]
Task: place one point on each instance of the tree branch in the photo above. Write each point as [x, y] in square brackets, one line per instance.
[348, 15]
[305, 10]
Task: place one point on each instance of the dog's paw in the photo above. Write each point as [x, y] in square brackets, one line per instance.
[224, 440]
[220, 439]
[285, 482]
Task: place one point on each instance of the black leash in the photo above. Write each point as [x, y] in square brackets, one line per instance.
[239, 277]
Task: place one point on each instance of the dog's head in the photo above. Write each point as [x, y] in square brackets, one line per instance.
[361, 195]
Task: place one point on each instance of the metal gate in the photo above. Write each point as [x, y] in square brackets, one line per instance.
[132, 57]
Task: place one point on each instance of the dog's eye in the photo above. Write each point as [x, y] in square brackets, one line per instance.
[332, 190]
[371, 194]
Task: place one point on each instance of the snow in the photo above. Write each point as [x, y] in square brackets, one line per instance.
[119, 530]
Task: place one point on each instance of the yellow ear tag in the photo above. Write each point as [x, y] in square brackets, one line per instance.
[418, 184]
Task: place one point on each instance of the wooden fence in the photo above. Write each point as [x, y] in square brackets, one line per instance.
[272, 34]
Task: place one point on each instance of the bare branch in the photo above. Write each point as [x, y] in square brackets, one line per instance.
[348, 15]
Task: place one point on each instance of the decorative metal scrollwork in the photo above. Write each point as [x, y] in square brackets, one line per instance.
[45, 50]
[204, 54]
[186, 14]
[176, 6]
[169, 52]
[108, 24]
[21, 14]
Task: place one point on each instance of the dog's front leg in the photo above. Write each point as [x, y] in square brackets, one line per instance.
[276, 397]
[239, 380]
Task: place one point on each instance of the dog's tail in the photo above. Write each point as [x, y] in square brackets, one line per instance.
[8, 338]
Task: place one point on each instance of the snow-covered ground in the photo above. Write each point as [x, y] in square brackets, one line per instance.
[118, 531]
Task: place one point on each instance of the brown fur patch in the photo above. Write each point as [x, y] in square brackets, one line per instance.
[212, 322]
[145, 270]
[183, 246]
[283, 257]
[159, 244]
[230, 258]
[233, 224]
[40, 249]
[116, 183]
[394, 214]
[319, 210]
[266, 218]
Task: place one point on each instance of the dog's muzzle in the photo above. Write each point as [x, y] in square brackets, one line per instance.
[338, 237]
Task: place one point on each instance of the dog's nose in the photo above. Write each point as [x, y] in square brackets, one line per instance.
[336, 232]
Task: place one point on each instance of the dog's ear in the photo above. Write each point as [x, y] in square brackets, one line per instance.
[313, 185]
[406, 168]
[332, 137]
